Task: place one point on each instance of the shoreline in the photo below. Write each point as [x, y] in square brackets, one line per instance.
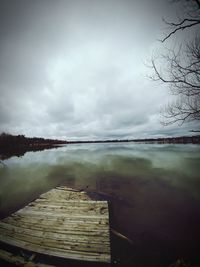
[11, 145]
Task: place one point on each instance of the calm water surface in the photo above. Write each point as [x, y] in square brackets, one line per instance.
[155, 191]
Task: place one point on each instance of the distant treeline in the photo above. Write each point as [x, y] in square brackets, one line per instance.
[8, 140]
[18, 145]
[164, 140]
[12, 141]
[173, 140]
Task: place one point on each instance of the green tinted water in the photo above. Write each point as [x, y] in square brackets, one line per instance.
[155, 190]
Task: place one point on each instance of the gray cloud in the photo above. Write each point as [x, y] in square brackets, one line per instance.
[75, 69]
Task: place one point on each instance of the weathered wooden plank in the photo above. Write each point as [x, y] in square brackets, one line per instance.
[75, 206]
[66, 227]
[81, 208]
[56, 221]
[92, 202]
[57, 251]
[69, 189]
[52, 235]
[62, 223]
[79, 247]
[53, 221]
[54, 224]
[65, 194]
[57, 214]
[93, 234]
[75, 203]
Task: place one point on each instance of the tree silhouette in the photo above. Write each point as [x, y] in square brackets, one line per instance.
[182, 69]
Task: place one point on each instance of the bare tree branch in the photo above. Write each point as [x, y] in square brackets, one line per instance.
[181, 69]
[182, 27]
[191, 19]
[183, 76]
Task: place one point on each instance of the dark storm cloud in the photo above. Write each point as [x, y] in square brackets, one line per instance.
[76, 69]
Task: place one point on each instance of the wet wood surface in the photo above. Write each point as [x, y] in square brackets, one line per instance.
[63, 223]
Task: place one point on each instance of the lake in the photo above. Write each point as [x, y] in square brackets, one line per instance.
[154, 191]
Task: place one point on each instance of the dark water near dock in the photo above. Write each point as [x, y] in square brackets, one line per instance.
[154, 191]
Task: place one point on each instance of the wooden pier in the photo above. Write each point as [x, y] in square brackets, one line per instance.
[62, 222]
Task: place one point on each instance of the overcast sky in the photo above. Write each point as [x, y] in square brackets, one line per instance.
[75, 69]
